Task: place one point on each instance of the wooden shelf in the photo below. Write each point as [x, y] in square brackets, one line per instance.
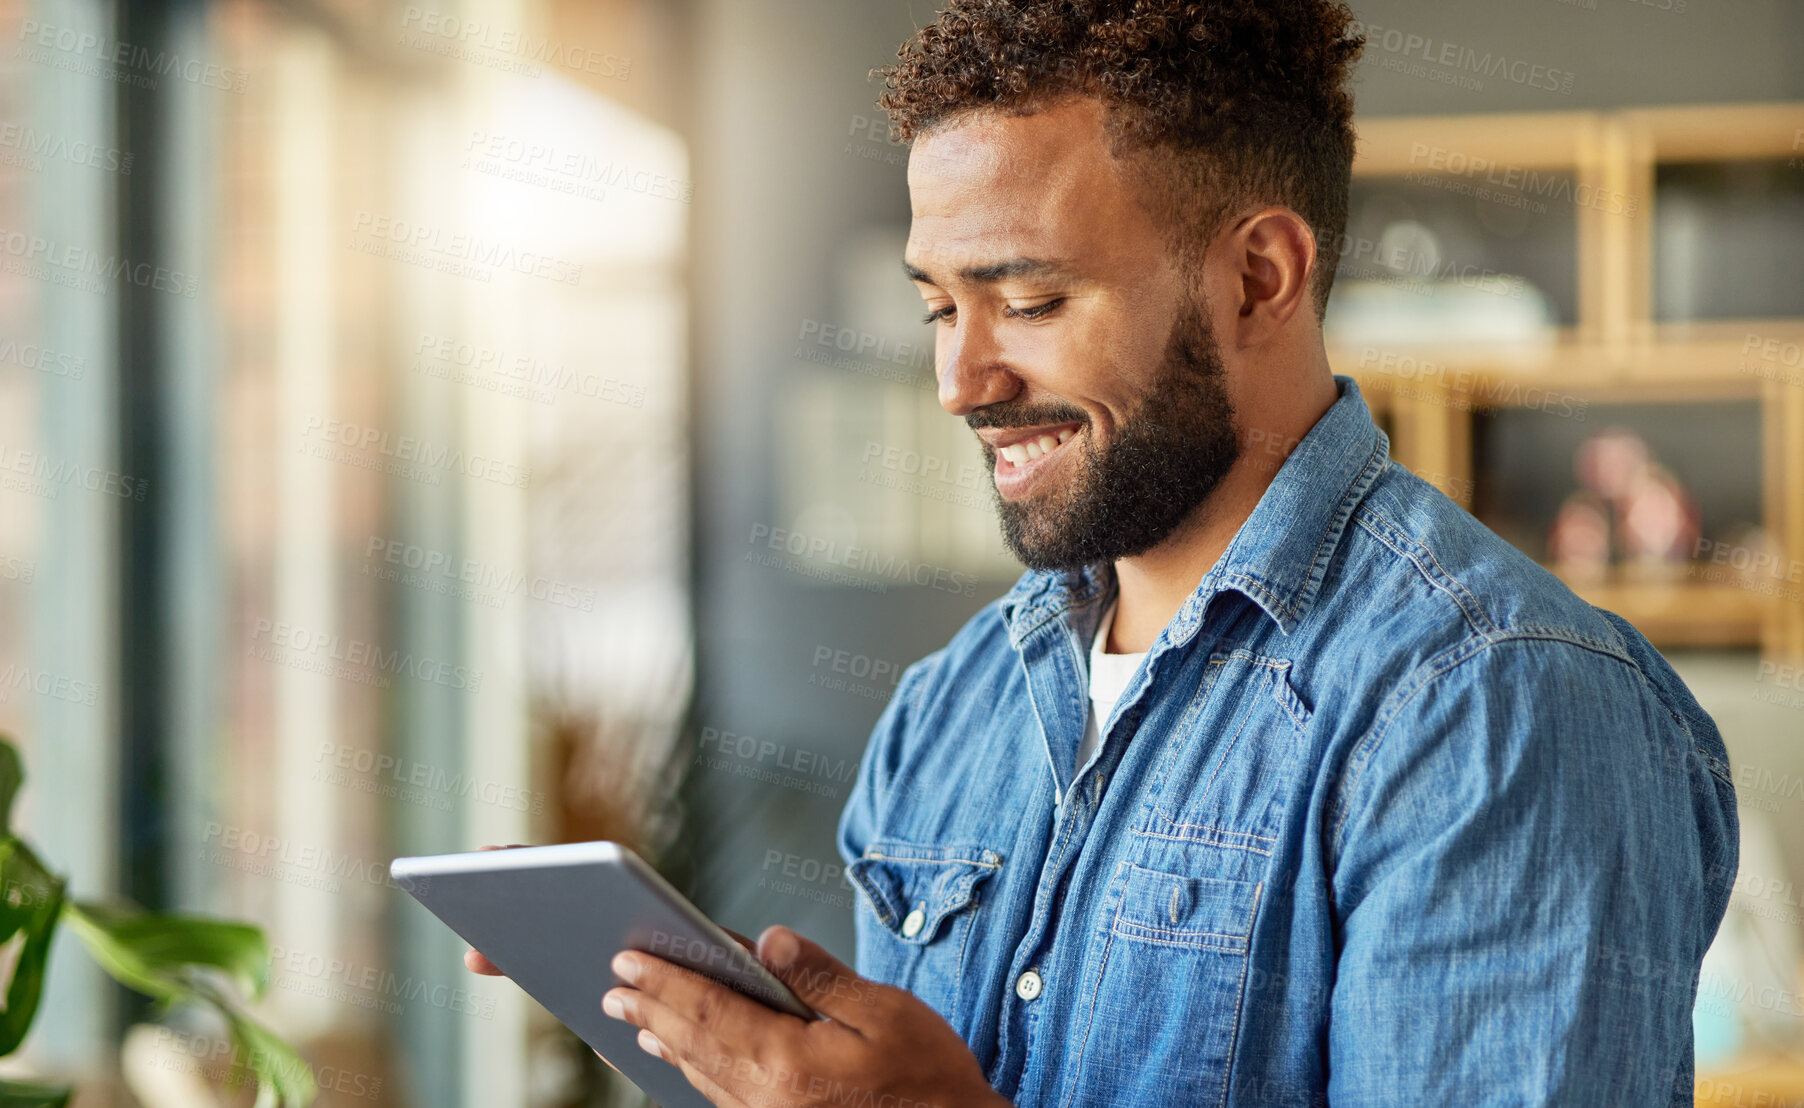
[1756, 1078]
[1617, 353]
[1683, 611]
[1723, 360]
[1396, 145]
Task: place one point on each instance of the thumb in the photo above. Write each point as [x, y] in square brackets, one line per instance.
[823, 982]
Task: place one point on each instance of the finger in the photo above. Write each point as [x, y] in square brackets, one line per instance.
[823, 982]
[703, 1081]
[739, 1082]
[743, 941]
[736, 1020]
[611, 1065]
[667, 1034]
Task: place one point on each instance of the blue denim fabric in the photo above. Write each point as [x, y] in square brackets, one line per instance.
[1387, 817]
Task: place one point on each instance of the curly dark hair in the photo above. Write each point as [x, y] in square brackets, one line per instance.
[1220, 103]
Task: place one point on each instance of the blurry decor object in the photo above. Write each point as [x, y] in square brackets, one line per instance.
[1609, 462]
[1579, 542]
[1416, 311]
[181, 962]
[1755, 552]
[1659, 520]
[1652, 524]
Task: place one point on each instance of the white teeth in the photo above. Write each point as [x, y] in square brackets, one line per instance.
[1023, 452]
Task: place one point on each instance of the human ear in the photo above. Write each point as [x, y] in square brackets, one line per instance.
[1274, 252]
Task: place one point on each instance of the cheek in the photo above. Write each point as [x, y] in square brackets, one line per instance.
[1082, 355]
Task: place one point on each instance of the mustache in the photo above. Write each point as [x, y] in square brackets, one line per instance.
[1008, 414]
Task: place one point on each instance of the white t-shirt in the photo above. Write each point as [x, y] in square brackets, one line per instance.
[1109, 676]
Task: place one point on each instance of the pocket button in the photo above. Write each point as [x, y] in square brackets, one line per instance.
[915, 920]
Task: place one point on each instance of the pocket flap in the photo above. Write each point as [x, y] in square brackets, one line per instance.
[900, 879]
[1211, 913]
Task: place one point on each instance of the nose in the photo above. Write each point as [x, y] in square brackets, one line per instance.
[972, 369]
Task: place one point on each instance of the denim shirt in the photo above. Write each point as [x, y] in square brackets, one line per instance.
[1387, 816]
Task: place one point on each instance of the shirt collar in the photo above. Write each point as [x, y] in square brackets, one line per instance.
[1279, 556]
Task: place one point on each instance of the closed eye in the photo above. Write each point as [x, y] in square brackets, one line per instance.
[1038, 311]
[1035, 312]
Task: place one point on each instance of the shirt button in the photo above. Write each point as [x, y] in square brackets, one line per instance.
[1028, 985]
[917, 919]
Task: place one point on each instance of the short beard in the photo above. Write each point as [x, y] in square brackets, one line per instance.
[1164, 461]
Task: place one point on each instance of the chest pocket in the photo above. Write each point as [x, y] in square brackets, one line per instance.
[917, 906]
[1166, 1005]
[1226, 773]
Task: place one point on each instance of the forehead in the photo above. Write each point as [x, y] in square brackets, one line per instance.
[987, 186]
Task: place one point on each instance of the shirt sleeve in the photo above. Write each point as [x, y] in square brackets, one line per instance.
[875, 786]
[1532, 857]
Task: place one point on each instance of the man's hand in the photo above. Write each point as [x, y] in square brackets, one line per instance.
[878, 1045]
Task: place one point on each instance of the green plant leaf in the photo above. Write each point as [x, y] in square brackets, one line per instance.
[157, 954]
[31, 897]
[22, 1094]
[173, 959]
[168, 958]
[12, 775]
[284, 1079]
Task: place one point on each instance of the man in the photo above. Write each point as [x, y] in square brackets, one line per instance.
[1277, 779]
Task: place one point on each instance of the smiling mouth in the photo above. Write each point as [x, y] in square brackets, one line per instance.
[1032, 450]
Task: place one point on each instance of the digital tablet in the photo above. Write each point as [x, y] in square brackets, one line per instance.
[553, 917]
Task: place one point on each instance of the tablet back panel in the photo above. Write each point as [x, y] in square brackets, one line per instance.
[551, 918]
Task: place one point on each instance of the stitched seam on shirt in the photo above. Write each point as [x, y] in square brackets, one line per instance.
[1102, 971]
[1343, 513]
[1335, 527]
[1154, 929]
[958, 990]
[1240, 998]
[930, 861]
[1045, 608]
[1375, 524]
[1207, 840]
[1442, 663]
[1278, 667]
[1367, 747]
[1211, 673]
[1156, 784]
[1219, 763]
[878, 902]
[1224, 831]
[1655, 692]
[1152, 936]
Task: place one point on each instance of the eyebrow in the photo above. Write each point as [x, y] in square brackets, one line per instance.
[998, 271]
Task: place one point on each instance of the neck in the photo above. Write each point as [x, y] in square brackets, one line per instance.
[1154, 585]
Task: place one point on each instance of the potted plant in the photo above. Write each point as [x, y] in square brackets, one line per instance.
[178, 961]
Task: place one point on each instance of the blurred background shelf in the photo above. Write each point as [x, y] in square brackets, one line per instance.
[1683, 360]
[1682, 613]
[1579, 267]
